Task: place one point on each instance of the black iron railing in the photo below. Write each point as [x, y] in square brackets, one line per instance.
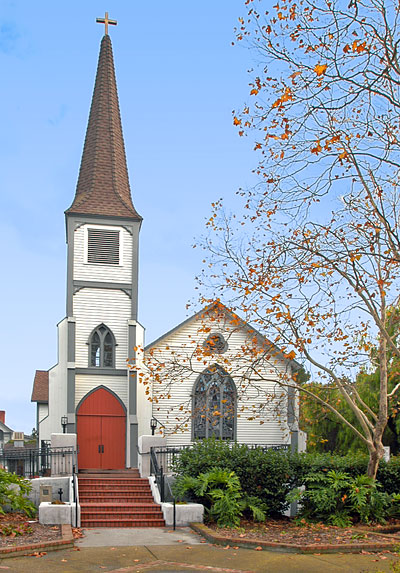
[75, 491]
[163, 485]
[38, 462]
[165, 456]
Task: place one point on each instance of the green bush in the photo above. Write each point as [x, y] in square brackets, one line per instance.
[338, 498]
[15, 497]
[263, 475]
[221, 494]
[269, 475]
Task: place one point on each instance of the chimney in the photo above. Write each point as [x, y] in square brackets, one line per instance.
[3, 416]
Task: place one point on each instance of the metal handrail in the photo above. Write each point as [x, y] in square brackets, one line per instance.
[76, 493]
[158, 472]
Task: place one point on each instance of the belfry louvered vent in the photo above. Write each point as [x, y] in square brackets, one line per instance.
[103, 246]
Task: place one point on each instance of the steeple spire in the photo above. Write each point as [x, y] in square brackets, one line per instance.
[103, 184]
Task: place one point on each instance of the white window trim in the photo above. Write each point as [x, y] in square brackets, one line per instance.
[85, 244]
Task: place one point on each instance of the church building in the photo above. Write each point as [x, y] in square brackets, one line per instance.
[94, 389]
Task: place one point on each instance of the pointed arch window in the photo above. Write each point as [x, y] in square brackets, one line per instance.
[102, 348]
[214, 405]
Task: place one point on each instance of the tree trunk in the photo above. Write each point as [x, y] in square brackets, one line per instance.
[376, 453]
[376, 450]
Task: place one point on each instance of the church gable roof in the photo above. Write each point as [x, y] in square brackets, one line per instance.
[103, 184]
[40, 391]
[216, 312]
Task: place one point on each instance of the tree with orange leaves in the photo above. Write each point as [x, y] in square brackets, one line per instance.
[314, 262]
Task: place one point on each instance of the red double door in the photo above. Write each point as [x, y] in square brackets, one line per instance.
[101, 429]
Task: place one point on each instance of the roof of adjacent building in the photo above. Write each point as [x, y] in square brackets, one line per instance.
[10, 447]
[40, 392]
[5, 428]
[103, 184]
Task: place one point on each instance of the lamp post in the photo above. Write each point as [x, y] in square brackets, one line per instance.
[64, 422]
[153, 425]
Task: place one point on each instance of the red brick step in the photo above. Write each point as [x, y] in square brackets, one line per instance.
[117, 499]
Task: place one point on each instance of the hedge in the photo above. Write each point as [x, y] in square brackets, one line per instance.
[271, 475]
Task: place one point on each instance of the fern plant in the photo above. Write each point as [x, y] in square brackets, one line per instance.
[221, 494]
[339, 499]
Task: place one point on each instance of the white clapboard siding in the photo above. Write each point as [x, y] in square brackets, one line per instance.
[93, 307]
[267, 403]
[105, 273]
[43, 410]
[84, 383]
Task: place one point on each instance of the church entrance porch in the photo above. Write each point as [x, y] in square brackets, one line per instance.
[101, 429]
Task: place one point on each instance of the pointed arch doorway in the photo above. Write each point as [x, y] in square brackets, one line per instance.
[101, 429]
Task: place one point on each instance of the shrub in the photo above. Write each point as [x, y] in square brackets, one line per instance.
[338, 498]
[269, 475]
[13, 493]
[221, 494]
[263, 475]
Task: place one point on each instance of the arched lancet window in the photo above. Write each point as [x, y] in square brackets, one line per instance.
[102, 347]
[214, 405]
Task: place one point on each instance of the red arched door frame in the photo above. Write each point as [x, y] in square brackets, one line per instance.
[101, 429]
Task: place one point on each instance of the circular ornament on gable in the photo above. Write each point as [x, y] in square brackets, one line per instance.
[215, 344]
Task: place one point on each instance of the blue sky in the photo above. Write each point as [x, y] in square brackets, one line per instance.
[179, 78]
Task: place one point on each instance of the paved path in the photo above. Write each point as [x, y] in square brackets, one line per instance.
[133, 536]
[182, 551]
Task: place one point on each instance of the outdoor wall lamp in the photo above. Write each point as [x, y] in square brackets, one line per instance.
[153, 425]
[64, 422]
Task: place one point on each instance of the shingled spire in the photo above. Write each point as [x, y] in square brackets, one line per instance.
[103, 183]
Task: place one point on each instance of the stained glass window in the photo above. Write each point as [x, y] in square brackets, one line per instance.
[214, 405]
[102, 347]
[215, 344]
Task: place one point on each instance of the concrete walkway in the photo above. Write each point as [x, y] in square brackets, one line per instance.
[134, 536]
[183, 551]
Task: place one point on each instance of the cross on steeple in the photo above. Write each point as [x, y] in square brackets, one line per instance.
[106, 21]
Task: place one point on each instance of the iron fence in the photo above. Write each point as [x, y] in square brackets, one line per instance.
[39, 462]
[165, 456]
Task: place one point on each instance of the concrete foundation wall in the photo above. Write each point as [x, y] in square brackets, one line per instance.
[58, 514]
[185, 513]
[56, 483]
[144, 444]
